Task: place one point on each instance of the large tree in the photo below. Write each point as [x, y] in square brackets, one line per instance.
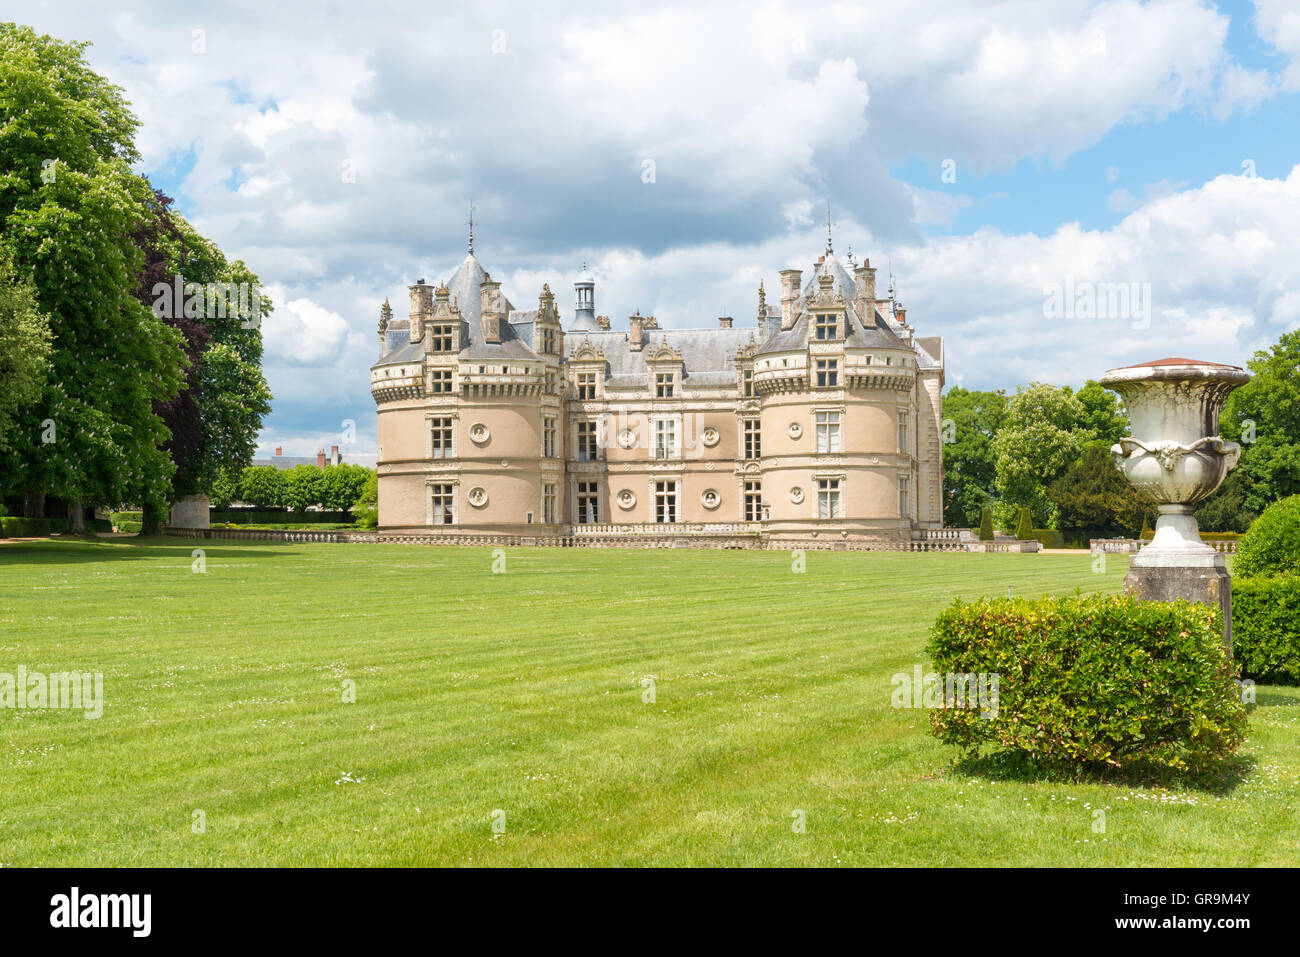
[1264, 416]
[1043, 435]
[24, 348]
[214, 420]
[70, 208]
[1094, 496]
[971, 420]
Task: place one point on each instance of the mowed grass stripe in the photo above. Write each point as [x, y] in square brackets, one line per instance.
[523, 692]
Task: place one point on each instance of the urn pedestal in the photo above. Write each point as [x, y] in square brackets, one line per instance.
[1175, 458]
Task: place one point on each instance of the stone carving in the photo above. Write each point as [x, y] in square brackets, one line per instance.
[478, 496]
[479, 433]
[795, 430]
[626, 498]
[710, 499]
[796, 495]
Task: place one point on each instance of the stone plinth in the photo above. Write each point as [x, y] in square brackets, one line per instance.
[1208, 583]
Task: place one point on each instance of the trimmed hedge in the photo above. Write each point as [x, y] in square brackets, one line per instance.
[1049, 537]
[1266, 627]
[1093, 681]
[36, 527]
[1148, 534]
[256, 516]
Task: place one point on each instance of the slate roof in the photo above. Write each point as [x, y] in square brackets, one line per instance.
[708, 355]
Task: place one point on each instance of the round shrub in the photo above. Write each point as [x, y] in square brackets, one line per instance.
[1271, 546]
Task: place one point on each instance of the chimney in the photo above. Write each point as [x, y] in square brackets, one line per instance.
[334, 455]
[320, 459]
[490, 306]
[900, 314]
[421, 308]
[864, 281]
[636, 331]
[790, 284]
[279, 450]
[724, 322]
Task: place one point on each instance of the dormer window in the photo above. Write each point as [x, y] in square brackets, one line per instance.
[747, 383]
[663, 385]
[586, 386]
[440, 338]
[548, 341]
[826, 327]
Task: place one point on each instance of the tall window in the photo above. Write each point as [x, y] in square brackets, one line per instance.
[903, 510]
[753, 439]
[828, 373]
[747, 383]
[586, 385]
[828, 499]
[442, 438]
[666, 501]
[902, 431]
[444, 504]
[663, 385]
[548, 341]
[548, 503]
[828, 432]
[665, 439]
[753, 501]
[548, 436]
[586, 441]
[588, 503]
[440, 381]
[440, 338]
[826, 327]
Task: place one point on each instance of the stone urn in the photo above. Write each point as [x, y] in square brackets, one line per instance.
[1174, 459]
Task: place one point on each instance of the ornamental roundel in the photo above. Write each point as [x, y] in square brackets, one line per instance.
[710, 499]
[627, 439]
[796, 430]
[626, 498]
[478, 496]
[479, 433]
[796, 495]
[710, 436]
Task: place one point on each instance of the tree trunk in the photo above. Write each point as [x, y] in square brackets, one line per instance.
[150, 520]
[34, 503]
[76, 517]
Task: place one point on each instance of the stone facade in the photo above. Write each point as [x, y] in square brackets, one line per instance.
[821, 418]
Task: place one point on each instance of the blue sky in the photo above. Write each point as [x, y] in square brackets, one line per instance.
[1085, 143]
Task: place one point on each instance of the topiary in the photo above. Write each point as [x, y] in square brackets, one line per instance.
[1271, 546]
[986, 524]
[1025, 527]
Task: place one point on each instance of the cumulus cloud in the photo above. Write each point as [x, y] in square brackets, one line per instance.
[338, 158]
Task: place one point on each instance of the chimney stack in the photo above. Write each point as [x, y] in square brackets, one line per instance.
[421, 308]
[320, 459]
[791, 280]
[334, 455]
[279, 450]
[636, 331]
[864, 281]
[490, 306]
[724, 322]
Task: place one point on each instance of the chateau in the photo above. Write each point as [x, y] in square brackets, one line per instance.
[821, 417]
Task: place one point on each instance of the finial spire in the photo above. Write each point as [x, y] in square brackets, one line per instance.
[829, 251]
[471, 227]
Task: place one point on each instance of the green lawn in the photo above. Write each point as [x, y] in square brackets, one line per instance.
[479, 693]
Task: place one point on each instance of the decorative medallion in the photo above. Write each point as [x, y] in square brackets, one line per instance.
[478, 433]
[709, 498]
[796, 430]
[626, 498]
[478, 496]
[627, 439]
[796, 495]
[710, 436]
